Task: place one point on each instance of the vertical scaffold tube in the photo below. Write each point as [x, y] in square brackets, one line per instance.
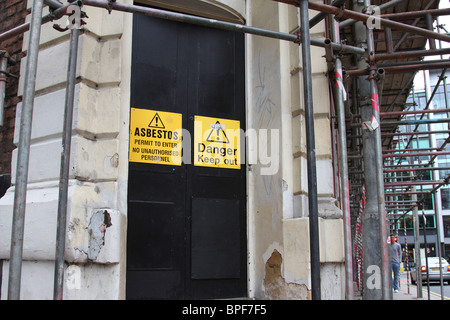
[372, 278]
[383, 225]
[65, 166]
[3, 66]
[344, 180]
[23, 153]
[311, 153]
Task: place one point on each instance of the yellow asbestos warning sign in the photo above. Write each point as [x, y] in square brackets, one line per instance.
[217, 143]
[155, 137]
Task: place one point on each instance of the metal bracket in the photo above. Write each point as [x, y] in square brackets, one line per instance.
[299, 38]
[340, 14]
[83, 14]
[11, 61]
[58, 27]
[8, 74]
[110, 6]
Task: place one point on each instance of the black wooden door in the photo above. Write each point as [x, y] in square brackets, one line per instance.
[186, 235]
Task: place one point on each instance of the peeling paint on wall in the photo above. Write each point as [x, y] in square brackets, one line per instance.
[276, 287]
[100, 220]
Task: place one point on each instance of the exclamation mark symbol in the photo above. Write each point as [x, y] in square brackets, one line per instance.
[156, 122]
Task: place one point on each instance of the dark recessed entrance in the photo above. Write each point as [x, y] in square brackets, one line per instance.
[186, 235]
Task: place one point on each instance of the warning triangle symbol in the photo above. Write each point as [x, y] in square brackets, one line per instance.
[156, 122]
[217, 133]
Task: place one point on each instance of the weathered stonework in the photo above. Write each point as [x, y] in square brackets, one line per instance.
[276, 287]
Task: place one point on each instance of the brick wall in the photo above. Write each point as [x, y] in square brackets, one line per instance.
[12, 13]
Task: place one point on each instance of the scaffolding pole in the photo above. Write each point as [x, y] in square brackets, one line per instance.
[373, 265]
[54, 15]
[417, 260]
[403, 113]
[311, 152]
[58, 284]
[3, 66]
[23, 154]
[383, 224]
[416, 154]
[382, 7]
[415, 133]
[343, 164]
[384, 22]
[411, 54]
[212, 23]
[416, 169]
[403, 68]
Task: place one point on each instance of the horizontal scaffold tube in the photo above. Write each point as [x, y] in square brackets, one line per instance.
[416, 14]
[400, 193]
[416, 169]
[411, 122]
[412, 183]
[401, 113]
[212, 23]
[412, 54]
[406, 122]
[385, 22]
[56, 14]
[393, 134]
[415, 154]
[402, 68]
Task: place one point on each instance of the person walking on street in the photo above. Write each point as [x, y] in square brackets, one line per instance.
[396, 259]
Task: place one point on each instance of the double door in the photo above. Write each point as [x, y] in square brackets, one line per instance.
[186, 230]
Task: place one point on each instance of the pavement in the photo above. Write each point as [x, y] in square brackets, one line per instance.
[410, 292]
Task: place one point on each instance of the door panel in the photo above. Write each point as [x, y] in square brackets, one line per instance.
[153, 228]
[215, 239]
[186, 224]
[155, 79]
